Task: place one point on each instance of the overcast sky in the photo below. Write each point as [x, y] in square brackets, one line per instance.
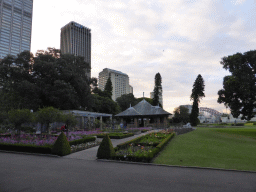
[177, 38]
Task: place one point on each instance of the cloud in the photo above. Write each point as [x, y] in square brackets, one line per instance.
[178, 39]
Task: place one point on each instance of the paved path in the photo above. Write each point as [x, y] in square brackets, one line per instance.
[90, 154]
[32, 173]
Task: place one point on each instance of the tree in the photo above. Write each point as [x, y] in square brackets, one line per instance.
[181, 114]
[104, 105]
[126, 100]
[239, 88]
[48, 115]
[69, 120]
[149, 100]
[20, 116]
[197, 94]
[108, 88]
[157, 89]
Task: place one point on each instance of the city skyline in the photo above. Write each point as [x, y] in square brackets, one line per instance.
[178, 39]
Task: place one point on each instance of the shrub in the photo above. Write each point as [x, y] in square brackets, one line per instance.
[106, 150]
[61, 146]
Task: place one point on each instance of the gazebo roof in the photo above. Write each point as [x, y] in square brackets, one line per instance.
[143, 108]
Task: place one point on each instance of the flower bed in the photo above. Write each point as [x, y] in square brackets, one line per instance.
[43, 144]
[134, 150]
[115, 135]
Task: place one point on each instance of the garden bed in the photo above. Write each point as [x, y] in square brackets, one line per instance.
[144, 148]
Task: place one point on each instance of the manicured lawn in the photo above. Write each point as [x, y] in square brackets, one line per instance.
[228, 148]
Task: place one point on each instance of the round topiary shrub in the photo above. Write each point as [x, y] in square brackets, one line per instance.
[106, 150]
[61, 146]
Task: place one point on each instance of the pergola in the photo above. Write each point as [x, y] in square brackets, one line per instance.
[144, 115]
[84, 116]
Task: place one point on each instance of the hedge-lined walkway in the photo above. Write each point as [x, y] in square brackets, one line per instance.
[90, 154]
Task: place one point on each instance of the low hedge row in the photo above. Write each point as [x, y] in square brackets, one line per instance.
[143, 157]
[125, 144]
[238, 124]
[116, 136]
[84, 140]
[26, 148]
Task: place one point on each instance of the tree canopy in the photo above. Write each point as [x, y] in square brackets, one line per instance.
[239, 88]
[126, 100]
[50, 79]
[181, 114]
[196, 95]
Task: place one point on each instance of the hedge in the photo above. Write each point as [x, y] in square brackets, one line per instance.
[84, 140]
[141, 157]
[238, 124]
[26, 148]
[116, 136]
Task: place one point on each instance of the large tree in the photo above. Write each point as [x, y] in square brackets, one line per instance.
[181, 114]
[239, 88]
[196, 96]
[157, 89]
[126, 100]
[45, 80]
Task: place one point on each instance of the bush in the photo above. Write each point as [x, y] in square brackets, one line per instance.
[61, 146]
[106, 150]
[25, 148]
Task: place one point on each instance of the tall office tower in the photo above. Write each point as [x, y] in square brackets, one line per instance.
[120, 82]
[76, 39]
[15, 26]
[160, 95]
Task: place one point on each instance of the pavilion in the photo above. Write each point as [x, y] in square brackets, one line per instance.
[144, 115]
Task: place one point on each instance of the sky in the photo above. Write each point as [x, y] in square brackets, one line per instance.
[179, 39]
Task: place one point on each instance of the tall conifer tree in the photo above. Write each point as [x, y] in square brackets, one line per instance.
[197, 94]
[108, 88]
[157, 89]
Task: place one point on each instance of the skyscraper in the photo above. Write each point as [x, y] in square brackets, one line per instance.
[15, 26]
[120, 82]
[76, 39]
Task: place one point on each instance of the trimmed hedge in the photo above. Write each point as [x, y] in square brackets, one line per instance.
[238, 124]
[125, 144]
[61, 146]
[106, 150]
[116, 136]
[142, 157]
[26, 148]
[84, 140]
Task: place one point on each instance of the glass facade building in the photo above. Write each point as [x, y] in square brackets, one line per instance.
[75, 39]
[15, 26]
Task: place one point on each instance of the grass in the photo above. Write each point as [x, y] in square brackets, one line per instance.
[228, 148]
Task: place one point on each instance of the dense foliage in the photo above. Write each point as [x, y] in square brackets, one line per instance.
[239, 88]
[181, 114]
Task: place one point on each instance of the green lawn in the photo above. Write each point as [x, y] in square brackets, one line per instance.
[228, 148]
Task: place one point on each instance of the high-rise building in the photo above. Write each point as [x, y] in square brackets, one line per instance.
[120, 82]
[15, 26]
[76, 40]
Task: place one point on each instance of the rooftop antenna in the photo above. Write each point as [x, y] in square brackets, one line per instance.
[143, 95]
